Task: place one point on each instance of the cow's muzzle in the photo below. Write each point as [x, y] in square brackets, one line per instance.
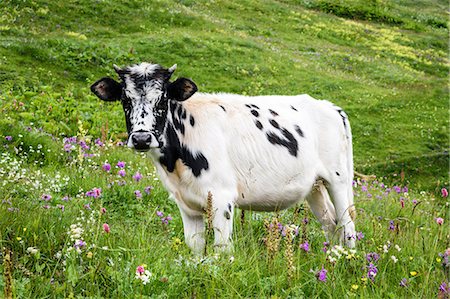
[142, 140]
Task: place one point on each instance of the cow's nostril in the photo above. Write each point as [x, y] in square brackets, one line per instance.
[141, 140]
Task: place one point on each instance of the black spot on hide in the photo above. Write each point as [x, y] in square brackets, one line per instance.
[288, 141]
[273, 112]
[337, 173]
[227, 215]
[343, 116]
[274, 123]
[255, 113]
[299, 131]
[223, 108]
[173, 151]
[191, 120]
[258, 124]
[229, 207]
[293, 108]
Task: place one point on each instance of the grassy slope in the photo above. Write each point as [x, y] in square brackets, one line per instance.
[391, 80]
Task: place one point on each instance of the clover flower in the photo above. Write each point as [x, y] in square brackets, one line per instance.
[439, 220]
[142, 274]
[444, 192]
[106, 228]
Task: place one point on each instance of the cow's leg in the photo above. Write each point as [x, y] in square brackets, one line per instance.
[194, 230]
[320, 203]
[223, 209]
[345, 224]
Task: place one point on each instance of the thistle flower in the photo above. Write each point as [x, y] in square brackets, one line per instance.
[322, 275]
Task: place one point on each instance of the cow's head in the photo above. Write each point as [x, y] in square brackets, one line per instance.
[144, 90]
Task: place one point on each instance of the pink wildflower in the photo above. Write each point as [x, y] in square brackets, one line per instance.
[103, 210]
[122, 172]
[439, 220]
[106, 167]
[106, 228]
[444, 192]
[137, 176]
[138, 194]
[140, 270]
[121, 164]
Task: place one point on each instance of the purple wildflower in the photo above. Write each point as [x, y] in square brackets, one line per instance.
[46, 197]
[120, 143]
[148, 189]
[397, 189]
[372, 257]
[372, 271]
[121, 164]
[68, 147]
[46, 207]
[106, 167]
[391, 225]
[359, 236]
[444, 289]
[65, 198]
[8, 138]
[305, 246]
[138, 194]
[364, 188]
[61, 207]
[159, 214]
[137, 176]
[95, 193]
[122, 172]
[403, 283]
[87, 206]
[322, 275]
[98, 142]
[305, 220]
[79, 244]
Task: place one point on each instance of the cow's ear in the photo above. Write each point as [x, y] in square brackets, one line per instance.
[181, 89]
[107, 89]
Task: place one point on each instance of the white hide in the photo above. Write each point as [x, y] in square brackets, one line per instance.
[247, 171]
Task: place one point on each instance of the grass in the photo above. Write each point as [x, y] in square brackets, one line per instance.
[384, 62]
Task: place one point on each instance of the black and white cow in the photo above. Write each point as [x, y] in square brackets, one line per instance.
[262, 153]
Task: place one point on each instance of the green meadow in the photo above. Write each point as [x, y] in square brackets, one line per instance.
[73, 227]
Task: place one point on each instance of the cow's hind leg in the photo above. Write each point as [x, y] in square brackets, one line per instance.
[320, 203]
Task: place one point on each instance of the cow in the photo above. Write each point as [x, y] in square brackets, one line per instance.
[259, 153]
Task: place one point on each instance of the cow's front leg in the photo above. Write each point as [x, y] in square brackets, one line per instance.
[194, 230]
[223, 209]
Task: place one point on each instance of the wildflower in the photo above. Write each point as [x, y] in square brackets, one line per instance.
[413, 273]
[46, 207]
[397, 189]
[394, 259]
[439, 220]
[121, 164]
[159, 214]
[65, 198]
[138, 194]
[355, 287]
[61, 207]
[148, 189]
[98, 142]
[391, 225]
[121, 172]
[18, 238]
[89, 255]
[166, 220]
[137, 176]
[444, 288]
[68, 147]
[414, 201]
[46, 197]
[8, 138]
[359, 236]
[106, 228]
[403, 283]
[325, 246]
[32, 250]
[79, 244]
[95, 193]
[402, 202]
[322, 275]
[87, 206]
[106, 167]
[103, 210]
[231, 259]
[305, 246]
[372, 271]
[444, 192]
[364, 188]
[142, 274]
[120, 143]
[372, 257]
[397, 247]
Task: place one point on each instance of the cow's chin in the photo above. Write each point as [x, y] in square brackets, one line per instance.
[142, 150]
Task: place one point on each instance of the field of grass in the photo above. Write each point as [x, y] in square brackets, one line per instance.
[71, 228]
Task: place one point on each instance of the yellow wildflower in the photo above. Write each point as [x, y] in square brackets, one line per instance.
[355, 287]
[413, 273]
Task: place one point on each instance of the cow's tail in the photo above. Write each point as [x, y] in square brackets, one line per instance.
[348, 133]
